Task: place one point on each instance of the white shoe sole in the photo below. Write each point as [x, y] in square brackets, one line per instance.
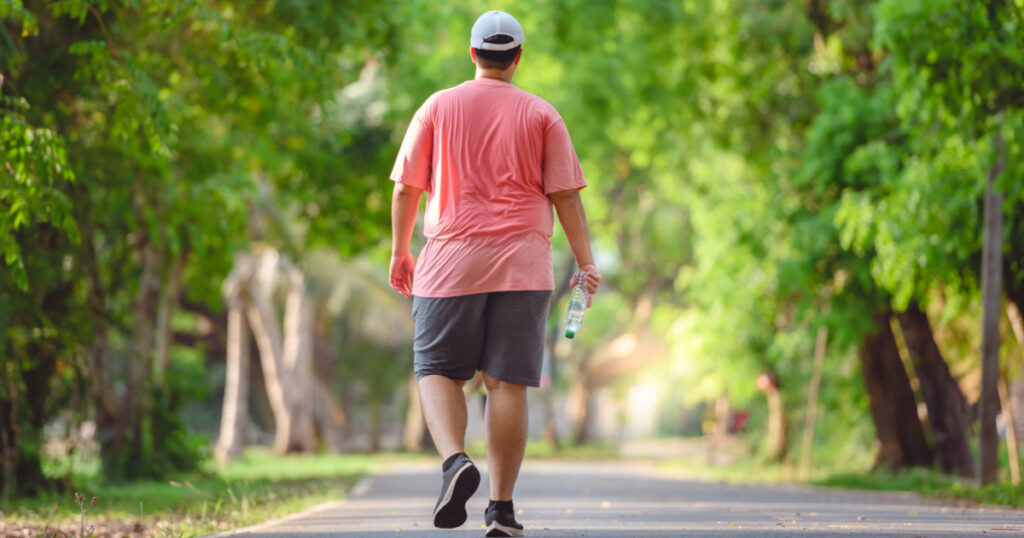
[495, 528]
[455, 515]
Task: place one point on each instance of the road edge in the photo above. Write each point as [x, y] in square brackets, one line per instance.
[359, 490]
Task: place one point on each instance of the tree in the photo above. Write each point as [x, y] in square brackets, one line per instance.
[959, 62]
[947, 410]
[172, 148]
[900, 434]
[37, 225]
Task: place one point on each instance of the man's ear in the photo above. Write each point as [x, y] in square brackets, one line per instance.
[518, 56]
[472, 54]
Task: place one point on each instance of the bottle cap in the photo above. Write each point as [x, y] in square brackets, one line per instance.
[570, 334]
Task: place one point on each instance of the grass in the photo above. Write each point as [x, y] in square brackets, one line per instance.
[926, 482]
[931, 483]
[256, 487]
[253, 488]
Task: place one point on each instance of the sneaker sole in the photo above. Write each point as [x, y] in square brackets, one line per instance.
[497, 529]
[452, 511]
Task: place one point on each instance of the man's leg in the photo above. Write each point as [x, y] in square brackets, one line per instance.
[446, 349]
[506, 423]
[513, 353]
[444, 408]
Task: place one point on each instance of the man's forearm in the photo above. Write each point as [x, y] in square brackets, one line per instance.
[405, 203]
[569, 207]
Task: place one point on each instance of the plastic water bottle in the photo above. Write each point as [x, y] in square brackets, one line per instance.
[577, 307]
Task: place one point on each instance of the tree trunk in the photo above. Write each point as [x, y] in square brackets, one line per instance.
[375, 426]
[1013, 270]
[1016, 323]
[579, 406]
[942, 396]
[9, 438]
[22, 418]
[812, 403]
[722, 411]
[26, 372]
[136, 402]
[991, 302]
[1017, 327]
[162, 397]
[235, 412]
[165, 311]
[286, 365]
[329, 419]
[893, 409]
[108, 423]
[414, 435]
[1005, 394]
[778, 427]
[36, 379]
[297, 362]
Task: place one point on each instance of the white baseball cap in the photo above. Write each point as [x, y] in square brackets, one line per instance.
[495, 23]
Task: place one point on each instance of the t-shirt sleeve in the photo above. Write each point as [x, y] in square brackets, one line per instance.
[562, 170]
[413, 166]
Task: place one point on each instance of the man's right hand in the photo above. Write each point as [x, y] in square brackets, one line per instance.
[592, 280]
[402, 267]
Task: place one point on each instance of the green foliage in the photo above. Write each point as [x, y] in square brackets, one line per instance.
[15, 10]
[35, 170]
[954, 65]
[958, 62]
[166, 134]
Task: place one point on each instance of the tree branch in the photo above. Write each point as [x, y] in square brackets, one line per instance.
[110, 40]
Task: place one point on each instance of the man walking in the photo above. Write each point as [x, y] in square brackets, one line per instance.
[493, 159]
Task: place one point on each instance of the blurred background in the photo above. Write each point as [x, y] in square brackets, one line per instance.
[804, 210]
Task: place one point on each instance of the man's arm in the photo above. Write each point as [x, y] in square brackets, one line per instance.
[405, 203]
[574, 221]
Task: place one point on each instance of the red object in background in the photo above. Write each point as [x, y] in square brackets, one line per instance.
[739, 421]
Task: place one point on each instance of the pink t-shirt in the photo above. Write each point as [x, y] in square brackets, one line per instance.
[488, 154]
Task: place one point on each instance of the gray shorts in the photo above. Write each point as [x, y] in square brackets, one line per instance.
[501, 333]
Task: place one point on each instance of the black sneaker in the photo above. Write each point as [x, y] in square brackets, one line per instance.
[501, 520]
[461, 479]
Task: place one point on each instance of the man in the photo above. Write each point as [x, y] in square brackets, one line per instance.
[493, 160]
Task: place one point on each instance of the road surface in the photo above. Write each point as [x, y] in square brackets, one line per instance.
[633, 500]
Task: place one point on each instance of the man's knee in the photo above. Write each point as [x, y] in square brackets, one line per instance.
[494, 384]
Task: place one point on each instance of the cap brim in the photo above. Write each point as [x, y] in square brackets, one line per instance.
[498, 46]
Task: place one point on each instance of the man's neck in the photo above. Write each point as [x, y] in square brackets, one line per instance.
[504, 75]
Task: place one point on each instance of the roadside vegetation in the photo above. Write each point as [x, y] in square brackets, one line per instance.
[251, 489]
[929, 482]
[809, 216]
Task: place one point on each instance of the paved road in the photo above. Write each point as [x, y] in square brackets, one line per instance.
[628, 500]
